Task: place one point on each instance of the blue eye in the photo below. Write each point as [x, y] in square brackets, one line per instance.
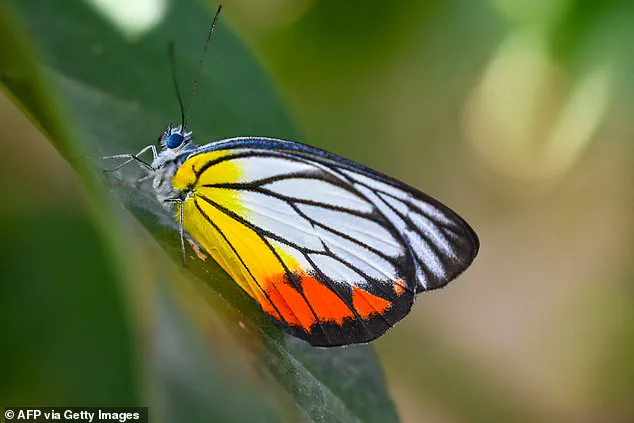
[174, 140]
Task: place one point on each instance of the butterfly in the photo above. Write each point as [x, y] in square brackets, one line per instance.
[333, 251]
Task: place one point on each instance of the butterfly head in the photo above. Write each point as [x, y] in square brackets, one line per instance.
[174, 138]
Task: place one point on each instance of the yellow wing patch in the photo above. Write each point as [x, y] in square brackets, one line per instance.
[189, 174]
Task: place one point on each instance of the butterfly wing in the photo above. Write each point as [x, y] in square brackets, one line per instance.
[334, 251]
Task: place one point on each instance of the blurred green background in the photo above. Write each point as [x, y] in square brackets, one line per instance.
[517, 114]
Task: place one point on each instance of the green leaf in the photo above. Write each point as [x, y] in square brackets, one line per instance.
[118, 95]
[62, 312]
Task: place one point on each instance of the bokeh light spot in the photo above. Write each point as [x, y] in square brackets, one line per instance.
[132, 17]
[525, 118]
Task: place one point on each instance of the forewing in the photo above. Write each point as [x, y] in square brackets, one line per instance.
[333, 251]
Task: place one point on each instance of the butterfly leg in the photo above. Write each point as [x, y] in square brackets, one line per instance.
[134, 157]
[181, 229]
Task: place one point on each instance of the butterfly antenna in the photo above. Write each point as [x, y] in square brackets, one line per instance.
[172, 59]
[200, 64]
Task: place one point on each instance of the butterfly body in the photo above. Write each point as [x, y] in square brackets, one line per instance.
[333, 251]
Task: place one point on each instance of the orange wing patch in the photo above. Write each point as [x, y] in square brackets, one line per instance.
[284, 299]
[367, 304]
[328, 306]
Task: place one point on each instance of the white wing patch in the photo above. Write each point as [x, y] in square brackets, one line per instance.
[336, 271]
[433, 233]
[433, 212]
[365, 230]
[398, 205]
[395, 219]
[376, 185]
[254, 168]
[426, 254]
[320, 191]
[425, 225]
[359, 257]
